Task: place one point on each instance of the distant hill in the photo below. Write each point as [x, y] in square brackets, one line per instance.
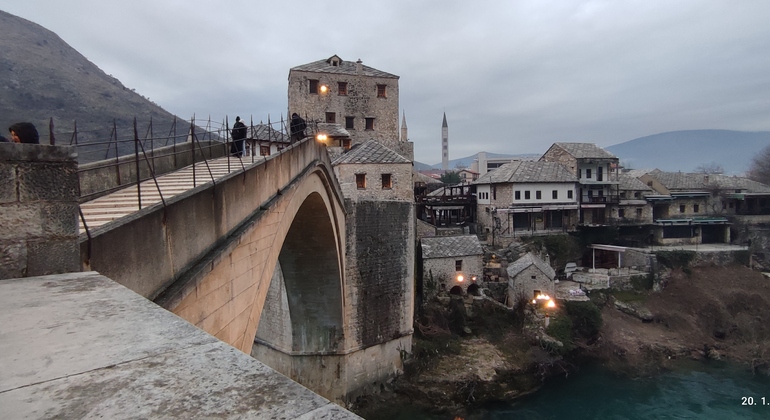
[686, 150]
[466, 161]
[41, 77]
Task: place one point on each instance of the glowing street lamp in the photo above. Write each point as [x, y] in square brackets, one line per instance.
[321, 137]
[460, 278]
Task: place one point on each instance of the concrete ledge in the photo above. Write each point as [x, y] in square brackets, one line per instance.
[82, 346]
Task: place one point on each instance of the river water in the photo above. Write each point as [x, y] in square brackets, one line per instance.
[692, 390]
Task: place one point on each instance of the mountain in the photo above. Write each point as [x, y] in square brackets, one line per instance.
[42, 77]
[466, 161]
[686, 150]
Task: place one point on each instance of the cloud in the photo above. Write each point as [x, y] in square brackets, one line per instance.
[512, 77]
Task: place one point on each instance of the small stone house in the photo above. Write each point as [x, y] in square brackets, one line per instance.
[452, 263]
[529, 276]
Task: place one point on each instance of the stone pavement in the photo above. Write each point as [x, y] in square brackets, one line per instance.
[82, 346]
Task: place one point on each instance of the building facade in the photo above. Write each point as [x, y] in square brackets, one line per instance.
[362, 99]
[597, 173]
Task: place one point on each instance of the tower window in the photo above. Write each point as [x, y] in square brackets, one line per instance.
[350, 122]
[342, 88]
[331, 117]
[361, 181]
[387, 181]
[370, 123]
[382, 91]
[313, 86]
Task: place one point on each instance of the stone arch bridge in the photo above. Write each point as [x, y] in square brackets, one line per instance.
[257, 253]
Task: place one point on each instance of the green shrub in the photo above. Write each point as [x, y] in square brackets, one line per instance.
[642, 282]
[585, 317]
[676, 259]
[560, 328]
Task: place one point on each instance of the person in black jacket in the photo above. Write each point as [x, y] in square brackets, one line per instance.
[298, 127]
[24, 132]
[239, 136]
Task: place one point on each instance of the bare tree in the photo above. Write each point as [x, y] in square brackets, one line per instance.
[760, 167]
[709, 168]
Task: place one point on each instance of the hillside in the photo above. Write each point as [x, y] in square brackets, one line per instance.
[42, 77]
[465, 162]
[686, 150]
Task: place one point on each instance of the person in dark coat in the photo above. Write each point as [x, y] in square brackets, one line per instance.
[24, 132]
[298, 127]
[239, 136]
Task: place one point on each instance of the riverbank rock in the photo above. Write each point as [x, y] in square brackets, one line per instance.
[634, 309]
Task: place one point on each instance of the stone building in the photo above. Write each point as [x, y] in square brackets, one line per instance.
[376, 183]
[597, 173]
[528, 277]
[360, 98]
[523, 197]
[633, 208]
[451, 264]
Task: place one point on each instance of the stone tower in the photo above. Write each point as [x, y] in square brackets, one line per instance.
[444, 145]
[359, 98]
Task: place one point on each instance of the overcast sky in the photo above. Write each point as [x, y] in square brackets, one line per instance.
[512, 76]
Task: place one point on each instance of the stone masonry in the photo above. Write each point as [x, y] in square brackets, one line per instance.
[38, 210]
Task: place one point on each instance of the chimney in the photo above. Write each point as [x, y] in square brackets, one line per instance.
[358, 66]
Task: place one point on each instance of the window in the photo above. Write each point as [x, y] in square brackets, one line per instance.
[494, 192]
[637, 194]
[555, 194]
[361, 181]
[382, 91]
[370, 123]
[724, 205]
[588, 173]
[313, 86]
[346, 144]
[621, 213]
[695, 208]
[331, 117]
[526, 195]
[681, 208]
[517, 195]
[458, 265]
[342, 88]
[638, 212]
[387, 181]
[569, 194]
[264, 150]
[599, 173]
[622, 194]
[349, 122]
[538, 195]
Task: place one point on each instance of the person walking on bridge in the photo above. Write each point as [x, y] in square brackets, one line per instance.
[239, 136]
[298, 127]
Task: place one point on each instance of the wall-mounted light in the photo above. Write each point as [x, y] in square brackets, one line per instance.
[321, 137]
[324, 88]
[460, 278]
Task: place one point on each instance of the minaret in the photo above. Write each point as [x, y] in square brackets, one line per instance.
[444, 145]
[403, 128]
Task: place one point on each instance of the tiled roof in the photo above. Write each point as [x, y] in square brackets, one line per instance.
[682, 181]
[631, 183]
[420, 177]
[370, 152]
[586, 151]
[528, 259]
[344, 67]
[451, 246]
[527, 171]
[266, 133]
[636, 173]
[332, 130]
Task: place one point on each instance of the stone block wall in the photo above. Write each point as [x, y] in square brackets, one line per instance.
[444, 274]
[380, 270]
[401, 181]
[38, 210]
[526, 282]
